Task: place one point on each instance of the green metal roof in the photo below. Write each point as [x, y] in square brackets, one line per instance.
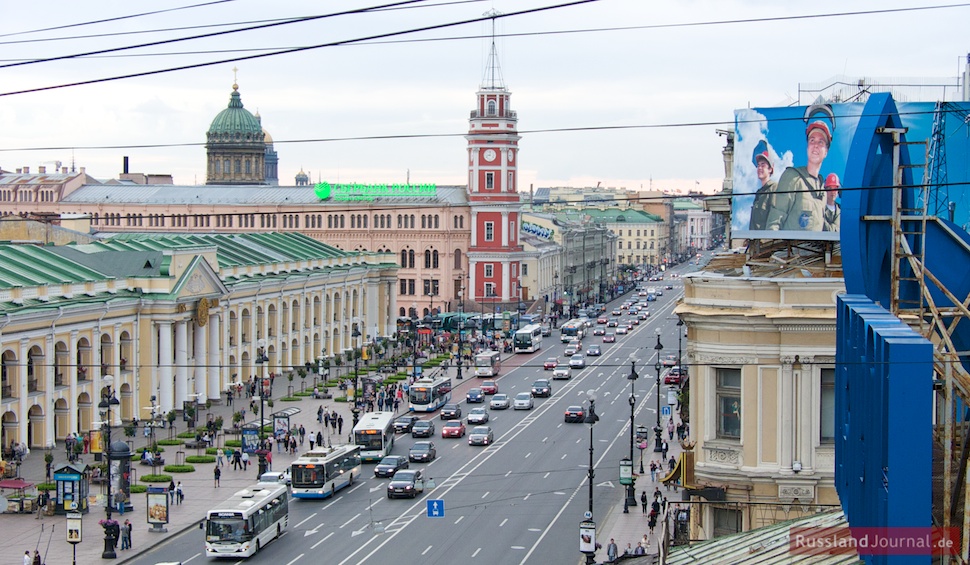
[686, 204]
[236, 120]
[616, 215]
[31, 265]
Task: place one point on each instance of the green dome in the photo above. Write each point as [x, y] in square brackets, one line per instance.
[235, 123]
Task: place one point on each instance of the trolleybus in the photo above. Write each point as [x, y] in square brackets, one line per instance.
[374, 435]
[488, 363]
[427, 395]
[528, 339]
[320, 473]
[251, 518]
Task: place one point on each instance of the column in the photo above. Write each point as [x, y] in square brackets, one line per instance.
[807, 386]
[71, 370]
[22, 392]
[390, 323]
[201, 360]
[166, 398]
[506, 280]
[181, 364]
[213, 387]
[787, 408]
[474, 226]
[50, 357]
[505, 228]
[371, 309]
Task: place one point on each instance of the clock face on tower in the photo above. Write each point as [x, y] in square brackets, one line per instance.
[489, 155]
[511, 156]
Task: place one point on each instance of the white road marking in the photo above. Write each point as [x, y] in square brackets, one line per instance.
[527, 455]
[314, 546]
[563, 457]
[460, 518]
[503, 522]
[427, 550]
[476, 552]
[191, 558]
[486, 494]
[349, 521]
[307, 518]
[546, 476]
[295, 559]
[527, 496]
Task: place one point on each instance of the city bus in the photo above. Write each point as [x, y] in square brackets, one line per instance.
[244, 524]
[320, 473]
[374, 435]
[573, 329]
[427, 395]
[488, 363]
[528, 339]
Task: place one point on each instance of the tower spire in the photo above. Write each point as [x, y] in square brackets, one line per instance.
[493, 72]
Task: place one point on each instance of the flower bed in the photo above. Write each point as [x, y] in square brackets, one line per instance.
[179, 468]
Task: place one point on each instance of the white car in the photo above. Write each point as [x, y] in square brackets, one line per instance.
[561, 373]
[573, 347]
[523, 401]
[282, 477]
[577, 361]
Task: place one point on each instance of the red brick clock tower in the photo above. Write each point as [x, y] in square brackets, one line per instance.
[495, 255]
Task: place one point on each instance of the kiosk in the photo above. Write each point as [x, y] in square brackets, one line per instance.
[71, 494]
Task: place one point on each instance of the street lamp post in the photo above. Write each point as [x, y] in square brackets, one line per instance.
[261, 360]
[414, 349]
[108, 399]
[591, 419]
[631, 499]
[680, 334]
[641, 443]
[357, 396]
[461, 326]
[658, 448]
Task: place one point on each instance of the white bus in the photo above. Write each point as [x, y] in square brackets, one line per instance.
[322, 472]
[573, 329]
[528, 339]
[251, 518]
[427, 395]
[374, 435]
[488, 363]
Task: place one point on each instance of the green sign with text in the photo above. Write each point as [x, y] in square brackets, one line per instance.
[345, 192]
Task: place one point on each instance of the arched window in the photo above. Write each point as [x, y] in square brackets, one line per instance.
[457, 259]
[341, 220]
[412, 221]
[225, 167]
[404, 258]
[490, 109]
[352, 219]
[411, 258]
[423, 226]
[399, 224]
[436, 221]
[455, 222]
[434, 259]
[427, 259]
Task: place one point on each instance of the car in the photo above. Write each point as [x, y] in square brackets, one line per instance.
[403, 424]
[572, 348]
[474, 395]
[602, 320]
[633, 322]
[575, 415]
[610, 337]
[389, 465]
[478, 415]
[422, 451]
[499, 402]
[453, 428]
[599, 331]
[523, 401]
[489, 387]
[669, 287]
[406, 483]
[541, 388]
[643, 315]
[282, 477]
[651, 298]
[450, 412]
[678, 370]
[643, 293]
[561, 373]
[550, 364]
[594, 350]
[622, 330]
[617, 312]
[546, 330]
[629, 326]
[577, 361]
[612, 324]
[659, 292]
[481, 435]
[669, 360]
[672, 379]
[422, 428]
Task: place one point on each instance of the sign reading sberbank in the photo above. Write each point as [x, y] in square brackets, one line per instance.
[344, 192]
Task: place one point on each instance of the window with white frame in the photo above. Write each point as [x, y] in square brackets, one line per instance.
[489, 231]
[728, 403]
[489, 181]
[827, 406]
[489, 289]
[489, 270]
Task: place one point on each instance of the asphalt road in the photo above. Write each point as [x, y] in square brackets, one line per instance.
[517, 501]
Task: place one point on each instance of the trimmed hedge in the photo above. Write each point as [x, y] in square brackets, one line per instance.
[200, 459]
[149, 478]
[340, 399]
[172, 441]
[303, 393]
[186, 435]
[180, 468]
[47, 486]
[212, 450]
[136, 489]
[233, 443]
[291, 399]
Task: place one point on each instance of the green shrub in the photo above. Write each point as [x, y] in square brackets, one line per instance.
[212, 450]
[233, 443]
[303, 393]
[180, 468]
[142, 449]
[340, 399]
[171, 441]
[47, 486]
[291, 399]
[186, 435]
[136, 489]
[149, 478]
[200, 459]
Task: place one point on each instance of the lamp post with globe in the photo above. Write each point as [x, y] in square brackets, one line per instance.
[658, 448]
[261, 360]
[111, 528]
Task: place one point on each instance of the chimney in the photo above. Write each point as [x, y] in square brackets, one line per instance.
[20, 171]
[42, 169]
[124, 166]
[82, 170]
[63, 170]
[26, 170]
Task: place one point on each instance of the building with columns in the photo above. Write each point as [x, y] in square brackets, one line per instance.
[177, 317]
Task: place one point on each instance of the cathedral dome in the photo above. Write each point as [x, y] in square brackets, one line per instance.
[235, 123]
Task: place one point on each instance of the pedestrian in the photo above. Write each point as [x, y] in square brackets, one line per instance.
[643, 501]
[312, 438]
[302, 434]
[37, 560]
[672, 463]
[340, 425]
[670, 428]
[236, 460]
[653, 471]
[397, 404]
[269, 460]
[245, 460]
[128, 528]
[171, 491]
[323, 416]
[611, 551]
[27, 559]
[216, 475]
[279, 444]
[666, 446]
[640, 550]
[652, 521]
[319, 438]
[179, 495]
[333, 420]
[125, 536]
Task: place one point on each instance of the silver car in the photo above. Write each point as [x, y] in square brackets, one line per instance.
[523, 401]
[481, 435]
[577, 361]
[499, 401]
[478, 416]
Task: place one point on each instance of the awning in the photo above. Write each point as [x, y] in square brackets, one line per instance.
[18, 484]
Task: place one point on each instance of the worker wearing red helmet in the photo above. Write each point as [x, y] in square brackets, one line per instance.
[799, 200]
[831, 213]
[762, 198]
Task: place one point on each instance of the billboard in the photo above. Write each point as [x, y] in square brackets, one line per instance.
[789, 164]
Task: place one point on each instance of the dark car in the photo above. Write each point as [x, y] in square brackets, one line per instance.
[422, 428]
[453, 429]
[669, 287]
[406, 483]
[481, 435]
[474, 395]
[450, 412]
[403, 424]
[422, 451]
[599, 331]
[390, 465]
[575, 415]
[541, 388]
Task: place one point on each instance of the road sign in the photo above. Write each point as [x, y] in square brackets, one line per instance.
[436, 508]
[665, 410]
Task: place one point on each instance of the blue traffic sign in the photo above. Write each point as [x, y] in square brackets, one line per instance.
[665, 410]
[436, 508]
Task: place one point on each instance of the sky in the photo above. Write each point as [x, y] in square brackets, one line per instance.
[620, 93]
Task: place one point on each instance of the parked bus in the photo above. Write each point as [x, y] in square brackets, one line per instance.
[374, 434]
[573, 329]
[488, 363]
[320, 473]
[244, 524]
[528, 339]
[427, 395]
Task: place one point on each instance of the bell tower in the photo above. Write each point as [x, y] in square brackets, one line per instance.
[495, 255]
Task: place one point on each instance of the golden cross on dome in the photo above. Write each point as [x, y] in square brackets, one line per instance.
[235, 83]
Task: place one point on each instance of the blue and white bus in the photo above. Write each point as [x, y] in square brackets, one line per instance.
[244, 524]
[320, 473]
[528, 339]
[374, 435]
[573, 329]
[427, 395]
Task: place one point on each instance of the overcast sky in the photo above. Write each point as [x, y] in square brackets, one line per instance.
[604, 68]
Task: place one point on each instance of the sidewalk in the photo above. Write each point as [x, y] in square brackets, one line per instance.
[23, 531]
